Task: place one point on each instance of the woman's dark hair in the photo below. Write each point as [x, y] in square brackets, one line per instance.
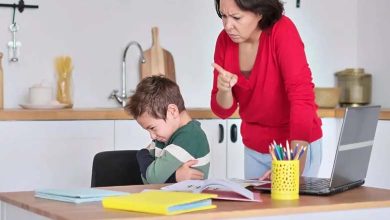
[271, 10]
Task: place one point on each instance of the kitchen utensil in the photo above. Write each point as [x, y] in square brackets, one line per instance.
[1, 83]
[355, 87]
[158, 60]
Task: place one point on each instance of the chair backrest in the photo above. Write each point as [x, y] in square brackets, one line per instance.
[115, 168]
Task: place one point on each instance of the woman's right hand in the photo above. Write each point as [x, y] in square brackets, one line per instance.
[226, 79]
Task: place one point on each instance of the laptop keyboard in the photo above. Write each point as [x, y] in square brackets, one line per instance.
[313, 183]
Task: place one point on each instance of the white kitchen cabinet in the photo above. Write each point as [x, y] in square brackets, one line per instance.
[50, 154]
[215, 130]
[227, 149]
[378, 174]
[330, 136]
[235, 149]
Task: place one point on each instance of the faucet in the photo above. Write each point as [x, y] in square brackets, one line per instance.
[123, 98]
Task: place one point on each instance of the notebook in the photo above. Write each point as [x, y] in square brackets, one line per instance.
[352, 154]
[161, 202]
[78, 195]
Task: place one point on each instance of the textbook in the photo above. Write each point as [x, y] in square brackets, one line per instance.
[225, 189]
[161, 202]
[79, 195]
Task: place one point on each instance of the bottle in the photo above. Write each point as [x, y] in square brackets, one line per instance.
[1, 83]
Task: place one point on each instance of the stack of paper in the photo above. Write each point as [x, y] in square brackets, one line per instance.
[76, 195]
[161, 202]
[225, 189]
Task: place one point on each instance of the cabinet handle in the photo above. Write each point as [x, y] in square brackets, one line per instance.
[221, 133]
[233, 133]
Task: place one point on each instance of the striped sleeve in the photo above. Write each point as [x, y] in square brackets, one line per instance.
[171, 158]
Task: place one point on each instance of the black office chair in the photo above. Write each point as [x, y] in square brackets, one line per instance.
[115, 168]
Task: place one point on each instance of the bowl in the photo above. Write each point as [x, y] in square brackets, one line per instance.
[327, 97]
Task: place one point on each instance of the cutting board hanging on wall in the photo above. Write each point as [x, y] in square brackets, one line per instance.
[1, 83]
[158, 60]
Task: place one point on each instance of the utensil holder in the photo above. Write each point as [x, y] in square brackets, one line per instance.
[285, 179]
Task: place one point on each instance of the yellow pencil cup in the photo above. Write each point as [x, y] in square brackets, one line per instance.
[285, 179]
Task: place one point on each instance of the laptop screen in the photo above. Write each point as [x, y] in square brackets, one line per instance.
[355, 144]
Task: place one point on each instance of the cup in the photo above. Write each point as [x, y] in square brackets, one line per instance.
[285, 179]
[40, 95]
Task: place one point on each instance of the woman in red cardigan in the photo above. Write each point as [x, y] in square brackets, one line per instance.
[261, 67]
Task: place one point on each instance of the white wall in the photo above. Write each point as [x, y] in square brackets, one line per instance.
[95, 33]
[328, 29]
[374, 46]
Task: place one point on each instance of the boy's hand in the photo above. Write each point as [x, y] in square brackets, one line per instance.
[185, 172]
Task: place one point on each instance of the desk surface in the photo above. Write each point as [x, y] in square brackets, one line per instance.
[359, 198]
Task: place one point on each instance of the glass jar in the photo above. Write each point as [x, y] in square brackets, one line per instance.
[64, 89]
[355, 87]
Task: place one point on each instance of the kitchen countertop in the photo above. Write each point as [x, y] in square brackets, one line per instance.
[119, 114]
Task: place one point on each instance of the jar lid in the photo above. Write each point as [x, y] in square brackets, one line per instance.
[351, 71]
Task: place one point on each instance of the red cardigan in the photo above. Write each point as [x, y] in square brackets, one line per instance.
[277, 99]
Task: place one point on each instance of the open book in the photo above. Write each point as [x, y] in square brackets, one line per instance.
[225, 189]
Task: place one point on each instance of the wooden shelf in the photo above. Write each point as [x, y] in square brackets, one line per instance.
[120, 114]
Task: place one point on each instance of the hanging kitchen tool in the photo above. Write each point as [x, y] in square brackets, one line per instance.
[158, 60]
[14, 45]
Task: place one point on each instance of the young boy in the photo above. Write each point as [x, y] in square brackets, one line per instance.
[179, 150]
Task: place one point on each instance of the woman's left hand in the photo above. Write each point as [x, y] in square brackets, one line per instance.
[266, 176]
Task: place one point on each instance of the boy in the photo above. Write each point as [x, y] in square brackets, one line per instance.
[178, 143]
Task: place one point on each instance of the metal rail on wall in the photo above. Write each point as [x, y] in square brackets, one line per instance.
[14, 45]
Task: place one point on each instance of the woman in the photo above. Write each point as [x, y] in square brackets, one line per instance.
[260, 66]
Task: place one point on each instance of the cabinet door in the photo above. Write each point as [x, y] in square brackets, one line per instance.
[129, 135]
[235, 150]
[50, 154]
[331, 132]
[215, 130]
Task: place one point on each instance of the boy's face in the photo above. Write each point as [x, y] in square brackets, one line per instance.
[159, 129]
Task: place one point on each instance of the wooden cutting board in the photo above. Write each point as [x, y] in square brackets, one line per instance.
[158, 60]
[1, 83]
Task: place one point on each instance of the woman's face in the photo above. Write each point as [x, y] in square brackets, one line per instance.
[241, 26]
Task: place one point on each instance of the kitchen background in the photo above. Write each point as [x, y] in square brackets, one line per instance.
[338, 34]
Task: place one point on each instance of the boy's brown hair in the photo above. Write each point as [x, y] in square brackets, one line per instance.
[153, 95]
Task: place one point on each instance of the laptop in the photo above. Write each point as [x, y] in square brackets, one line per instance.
[352, 154]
